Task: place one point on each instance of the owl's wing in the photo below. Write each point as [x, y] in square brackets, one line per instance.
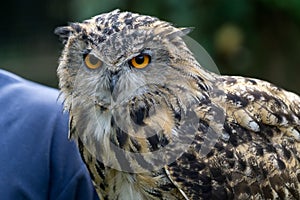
[254, 149]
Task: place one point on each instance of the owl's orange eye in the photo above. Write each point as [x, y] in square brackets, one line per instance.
[92, 62]
[141, 61]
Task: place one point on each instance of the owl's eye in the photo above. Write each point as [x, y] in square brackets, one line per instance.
[141, 61]
[92, 62]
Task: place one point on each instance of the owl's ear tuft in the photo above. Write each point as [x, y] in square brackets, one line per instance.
[64, 32]
[186, 30]
[178, 32]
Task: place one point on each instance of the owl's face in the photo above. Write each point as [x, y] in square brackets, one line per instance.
[122, 52]
[121, 70]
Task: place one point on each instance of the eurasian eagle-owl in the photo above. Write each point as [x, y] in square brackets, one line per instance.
[152, 123]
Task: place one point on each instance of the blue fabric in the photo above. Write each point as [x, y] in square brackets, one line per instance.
[37, 161]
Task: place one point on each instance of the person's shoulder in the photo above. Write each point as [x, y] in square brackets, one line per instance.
[13, 88]
[31, 105]
[34, 121]
[8, 77]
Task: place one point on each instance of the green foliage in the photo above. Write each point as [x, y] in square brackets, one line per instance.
[290, 6]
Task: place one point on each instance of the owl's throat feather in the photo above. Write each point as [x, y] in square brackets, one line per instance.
[140, 135]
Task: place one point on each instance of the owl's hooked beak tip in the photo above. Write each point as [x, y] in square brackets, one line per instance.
[113, 81]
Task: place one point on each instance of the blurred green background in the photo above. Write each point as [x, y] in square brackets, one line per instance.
[256, 38]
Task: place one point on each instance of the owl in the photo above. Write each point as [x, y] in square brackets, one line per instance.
[152, 123]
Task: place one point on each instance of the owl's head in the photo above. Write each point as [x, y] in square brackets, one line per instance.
[125, 49]
[126, 63]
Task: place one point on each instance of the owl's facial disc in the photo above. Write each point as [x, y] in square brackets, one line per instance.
[120, 78]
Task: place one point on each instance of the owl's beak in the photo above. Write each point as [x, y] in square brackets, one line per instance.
[113, 81]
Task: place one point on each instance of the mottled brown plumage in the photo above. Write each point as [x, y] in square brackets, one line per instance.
[151, 123]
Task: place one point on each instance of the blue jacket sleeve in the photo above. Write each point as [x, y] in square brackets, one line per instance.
[37, 161]
[69, 177]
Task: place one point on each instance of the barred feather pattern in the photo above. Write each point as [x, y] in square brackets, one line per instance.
[173, 130]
